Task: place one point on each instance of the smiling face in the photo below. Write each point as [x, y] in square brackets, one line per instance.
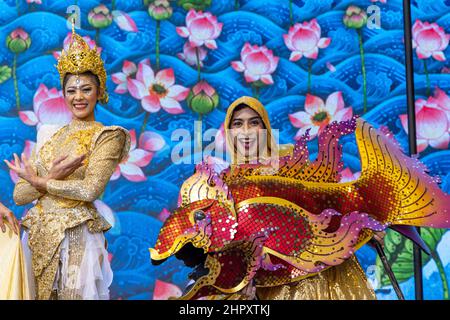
[247, 133]
[81, 93]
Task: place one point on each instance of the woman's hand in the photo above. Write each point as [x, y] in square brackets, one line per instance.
[23, 169]
[61, 170]
[7, 215]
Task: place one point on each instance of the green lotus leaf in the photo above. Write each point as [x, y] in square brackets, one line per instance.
[399, 253]
[5, 73]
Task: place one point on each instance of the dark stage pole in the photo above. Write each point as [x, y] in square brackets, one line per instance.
[418, 279]
[388, 269]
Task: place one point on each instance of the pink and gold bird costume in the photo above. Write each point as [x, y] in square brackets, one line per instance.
[271, 227]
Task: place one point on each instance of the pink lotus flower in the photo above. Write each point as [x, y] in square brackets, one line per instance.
[68, 40]
[49, 108]
[432, 124]
[35, 1]
[257, 63]
[29, 146]
[124, 21]
[429, 40]
[129, 70]
[318, 114]
[441, 99]
[201, 29]
[304, 40]
[189, 55]
[164, 290]
[443, 102]
[130, 168]
[156, 92]
[347, 175]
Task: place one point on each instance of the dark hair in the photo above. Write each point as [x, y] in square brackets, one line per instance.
[87, 73]
[241, 106]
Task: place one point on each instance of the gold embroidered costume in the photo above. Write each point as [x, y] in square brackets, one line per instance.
[64, 229]
[68, 203]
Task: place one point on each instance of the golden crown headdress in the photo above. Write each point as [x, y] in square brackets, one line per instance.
[80, 58]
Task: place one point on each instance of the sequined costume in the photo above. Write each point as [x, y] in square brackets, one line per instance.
[64, 231]
[293, 231]
[68, 205]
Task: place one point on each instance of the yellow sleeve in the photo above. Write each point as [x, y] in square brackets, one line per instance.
[106, 155]
[24, 192]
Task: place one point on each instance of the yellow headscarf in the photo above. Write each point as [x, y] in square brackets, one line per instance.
[272, 148]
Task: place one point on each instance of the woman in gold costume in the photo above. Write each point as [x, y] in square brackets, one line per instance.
[250, 139]
[64, 233]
